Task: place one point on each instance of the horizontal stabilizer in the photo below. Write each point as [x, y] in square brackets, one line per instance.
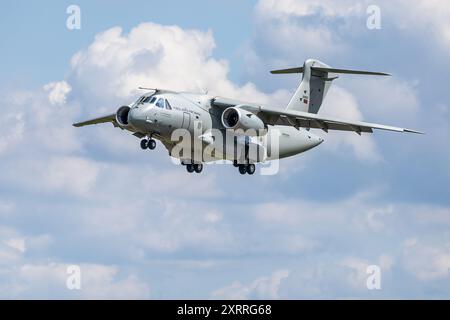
[285, 71]
[329, 70]
[345, 71]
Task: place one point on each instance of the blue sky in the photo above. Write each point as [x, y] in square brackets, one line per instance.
[140, 227]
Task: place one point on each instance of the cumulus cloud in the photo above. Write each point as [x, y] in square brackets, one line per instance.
[152, 55]
[342, 104]
[57, 92]
[427, 17]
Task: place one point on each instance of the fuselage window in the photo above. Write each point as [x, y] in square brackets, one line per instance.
[168, 106]
[160, 103]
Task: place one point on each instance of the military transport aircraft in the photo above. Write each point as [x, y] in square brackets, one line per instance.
[227, 129]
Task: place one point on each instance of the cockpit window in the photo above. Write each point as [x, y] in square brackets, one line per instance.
[140, 100]
[168, 106]
[153, 100]
[146, 100]
[160, 103]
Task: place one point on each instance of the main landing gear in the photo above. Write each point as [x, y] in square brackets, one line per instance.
[246, 168]
[148, 144]
[193, 167]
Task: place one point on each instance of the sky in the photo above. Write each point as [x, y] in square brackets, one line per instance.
[139, 227]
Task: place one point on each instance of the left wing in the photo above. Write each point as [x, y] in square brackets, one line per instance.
[109, 118]
[275, 116]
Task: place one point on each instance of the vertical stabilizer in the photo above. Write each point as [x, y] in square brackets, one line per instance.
[316, 81]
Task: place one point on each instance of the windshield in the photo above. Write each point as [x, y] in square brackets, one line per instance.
[143, 100]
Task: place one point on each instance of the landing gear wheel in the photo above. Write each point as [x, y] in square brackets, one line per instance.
[198, 167]
[190, 168]
[235, 164]
[144, 144]
[152, 144]
[251, 168]
[242, 169]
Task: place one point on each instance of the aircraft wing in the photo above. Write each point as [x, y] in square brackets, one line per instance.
[275, 116]
[109, 118]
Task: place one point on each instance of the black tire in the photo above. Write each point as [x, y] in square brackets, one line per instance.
[190, 168]
[251, 168]
[242, 169]
[144, 144]
[235, 163]
[152, 144]
[198, 167]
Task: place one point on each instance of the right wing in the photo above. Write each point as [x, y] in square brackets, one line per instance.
[297, 119]
[109, 118]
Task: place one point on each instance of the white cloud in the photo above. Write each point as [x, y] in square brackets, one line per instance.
[12, 126]
[422, 19]
[285, 8]
[55, 174]
[97, 282]
[57, 92]
[426, 262]
[178, 59]
[426, 18]
[261, 288]
[16, 243]
[342, 105]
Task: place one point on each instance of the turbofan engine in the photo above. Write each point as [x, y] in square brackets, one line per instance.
[122, 116]
[239, 119]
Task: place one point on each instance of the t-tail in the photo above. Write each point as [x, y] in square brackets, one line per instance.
[317, 78]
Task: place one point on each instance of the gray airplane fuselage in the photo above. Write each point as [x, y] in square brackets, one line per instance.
[196, 114]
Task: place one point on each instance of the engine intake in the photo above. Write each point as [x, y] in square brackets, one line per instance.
[239, 119]
[122, 116]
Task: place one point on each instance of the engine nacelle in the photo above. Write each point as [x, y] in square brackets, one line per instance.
[122, 116]
[239, 119]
